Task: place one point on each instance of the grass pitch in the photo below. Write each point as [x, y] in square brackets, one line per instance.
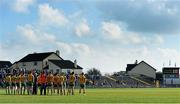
[108, 95]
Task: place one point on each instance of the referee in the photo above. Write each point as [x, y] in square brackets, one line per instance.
[35, 84]
[43, 83]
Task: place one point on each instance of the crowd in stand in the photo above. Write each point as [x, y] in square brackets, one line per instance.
[46, 83]
[122, 81]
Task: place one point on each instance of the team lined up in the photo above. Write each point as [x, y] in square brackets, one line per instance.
[57, 83]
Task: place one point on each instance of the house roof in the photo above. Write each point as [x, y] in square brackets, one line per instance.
[4, 64]
[147, 64]
[65, 64]
[36, 57]
[132, 66]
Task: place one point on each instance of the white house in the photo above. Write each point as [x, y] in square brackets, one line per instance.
[65, 66]
[40, 61]
[141, 68]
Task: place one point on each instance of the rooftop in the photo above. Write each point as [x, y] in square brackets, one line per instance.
[65, 64]
[4, 64]
[36, 57]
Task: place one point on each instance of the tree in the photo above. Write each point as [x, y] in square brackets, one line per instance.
[94, 74]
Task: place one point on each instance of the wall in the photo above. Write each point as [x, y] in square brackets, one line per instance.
[76, 71]
[53, 67]
[51, 57]
[30, 65]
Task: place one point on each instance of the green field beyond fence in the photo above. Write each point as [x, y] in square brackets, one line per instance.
[116, 95]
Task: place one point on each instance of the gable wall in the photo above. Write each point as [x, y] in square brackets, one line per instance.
[53, 67]
[52, 56]
[143, 69]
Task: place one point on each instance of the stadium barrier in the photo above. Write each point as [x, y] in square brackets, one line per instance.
[140, 80]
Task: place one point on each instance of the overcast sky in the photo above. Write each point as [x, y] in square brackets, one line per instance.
[105, 34]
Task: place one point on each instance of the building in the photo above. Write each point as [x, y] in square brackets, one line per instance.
[65, 66]
[35, 61]
[171, 75]
[5, 64]
[4, 67]
[159, 76]
[48, 61]
[141, 69]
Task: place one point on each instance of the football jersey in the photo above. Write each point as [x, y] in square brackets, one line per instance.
[82, 79]
[18, 79]
[49, 78]
[30, 77]
[22, 78]
[71, 78]
[56, 78]
[8, 79]
[13, 79]
[61, 79]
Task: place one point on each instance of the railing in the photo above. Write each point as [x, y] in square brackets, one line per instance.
[140, 80]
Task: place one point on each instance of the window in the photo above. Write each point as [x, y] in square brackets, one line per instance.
[57, 70]
[35, 63]
[24, 64]
[68, 71]
[46, 63]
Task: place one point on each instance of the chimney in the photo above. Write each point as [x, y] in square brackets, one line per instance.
[136, 62]
[169, 62]
[75, 63]
[57, 52]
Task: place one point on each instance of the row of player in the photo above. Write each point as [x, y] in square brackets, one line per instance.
[57, 83]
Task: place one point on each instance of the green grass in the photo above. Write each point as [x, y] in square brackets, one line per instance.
[116, 95]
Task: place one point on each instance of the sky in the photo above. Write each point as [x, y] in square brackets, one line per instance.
[102, 34]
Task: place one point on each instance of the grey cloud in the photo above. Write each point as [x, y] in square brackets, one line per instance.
[150, 16]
